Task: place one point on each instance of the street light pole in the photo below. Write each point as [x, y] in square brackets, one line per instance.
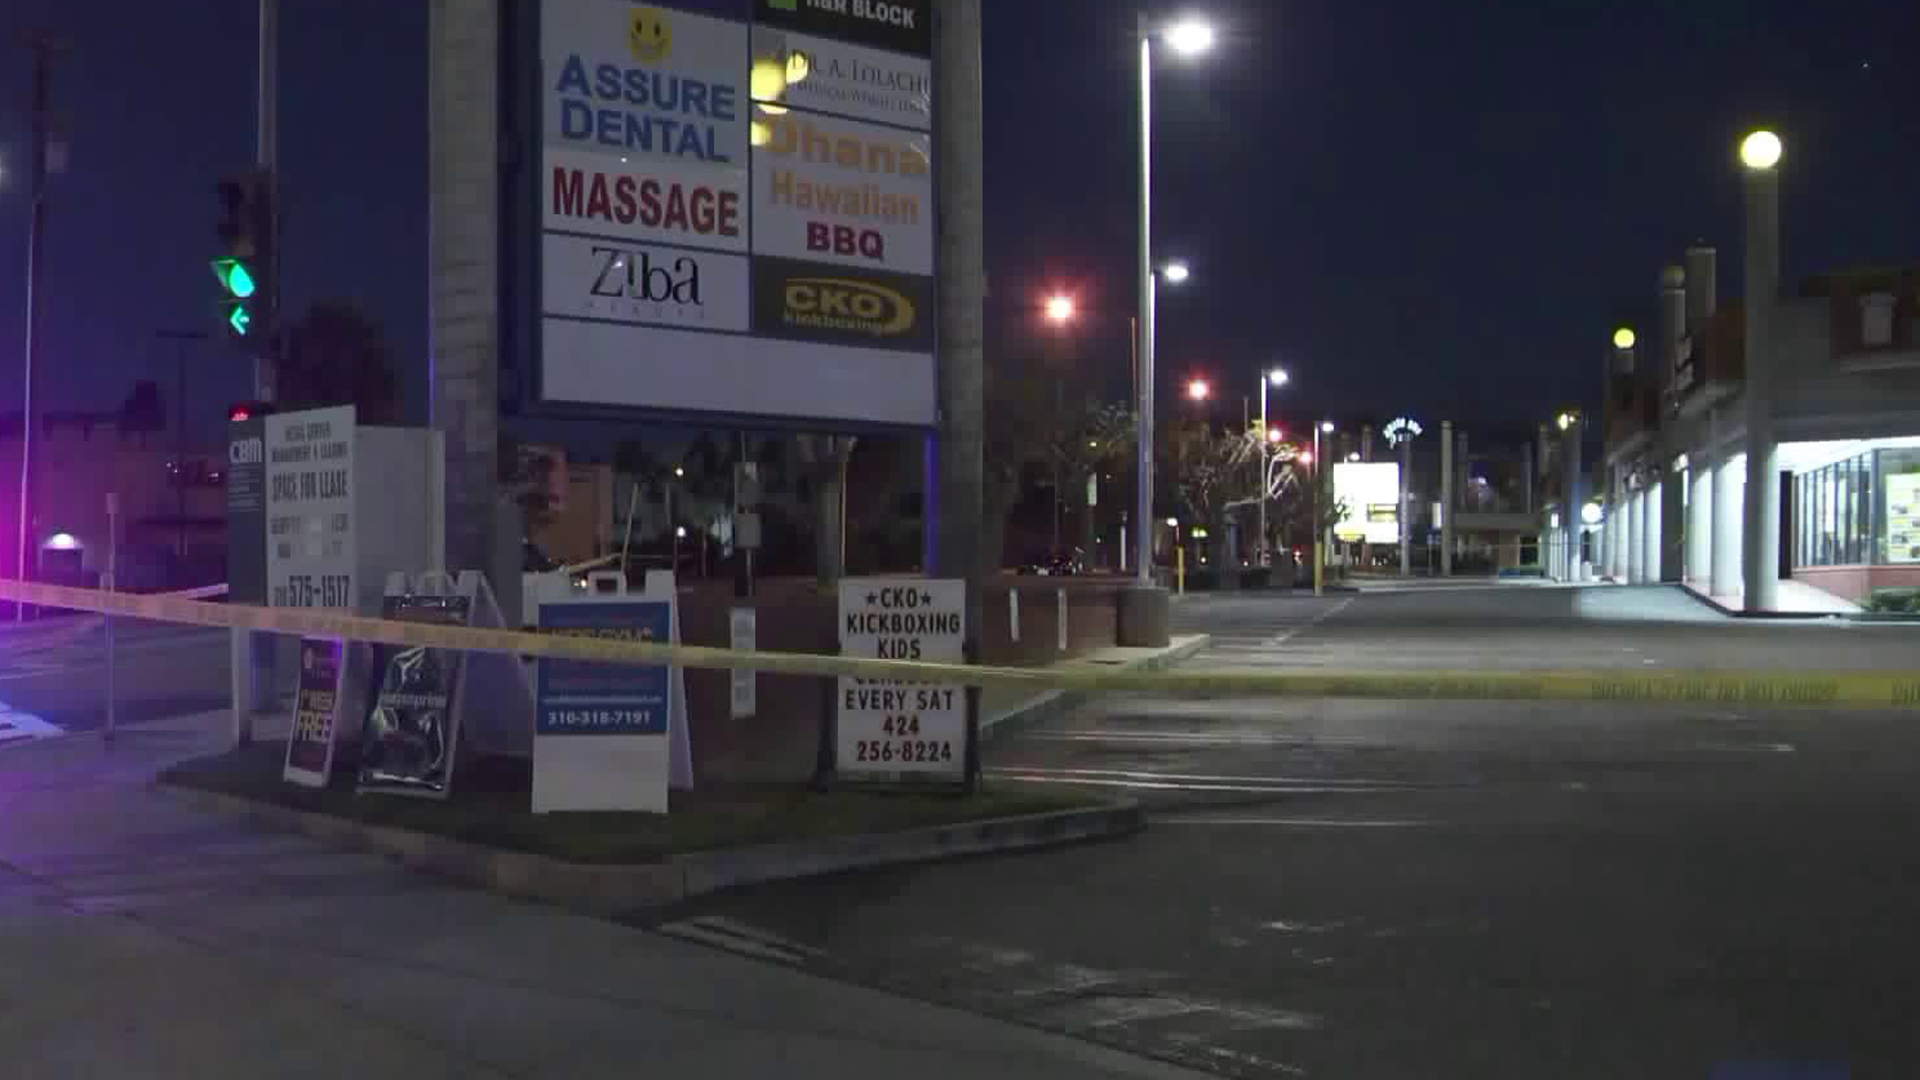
[1319, 583]
[1143, 439]
[42, 120]
[1276, 377]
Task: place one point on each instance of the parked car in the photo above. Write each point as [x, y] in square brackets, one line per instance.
[1059, 562]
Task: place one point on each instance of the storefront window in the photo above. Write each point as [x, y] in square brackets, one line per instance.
[1838, 521]
[1898, 535]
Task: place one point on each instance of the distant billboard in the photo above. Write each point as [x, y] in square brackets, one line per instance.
[735, 219]
[1369, 491]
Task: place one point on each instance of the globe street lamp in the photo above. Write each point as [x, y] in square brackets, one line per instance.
[1198, 389]
[1624, 338]
[1760, 153]
[1060, 309]
[1186, 38]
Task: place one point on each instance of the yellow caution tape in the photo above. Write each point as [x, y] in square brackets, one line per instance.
[1882, 690]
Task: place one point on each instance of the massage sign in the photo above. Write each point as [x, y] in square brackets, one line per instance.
[737, 218]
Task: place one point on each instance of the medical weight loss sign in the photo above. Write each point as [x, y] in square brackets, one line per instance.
[656, 210]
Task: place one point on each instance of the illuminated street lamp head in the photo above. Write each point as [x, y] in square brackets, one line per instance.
[1273, 435]
[680, 532]
[1760, 151]
[1060, 308]
[1277, 377]
[1175, 272]
[1306, 457]
[1198, 389]
[1173, 523]
[1190, 37]
[1326, 427]
[678, 471]
[1590, 513]
[1623, 338]
[1566, 420]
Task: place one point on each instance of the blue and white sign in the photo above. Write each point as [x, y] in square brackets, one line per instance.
[604, 733]
[578, 697]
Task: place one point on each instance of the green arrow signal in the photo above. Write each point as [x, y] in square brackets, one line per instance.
[234, 276]
[239, 318]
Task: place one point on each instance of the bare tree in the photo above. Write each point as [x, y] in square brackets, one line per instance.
[337, 356]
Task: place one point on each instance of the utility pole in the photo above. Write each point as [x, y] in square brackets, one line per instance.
[43, 47]
[267, 154]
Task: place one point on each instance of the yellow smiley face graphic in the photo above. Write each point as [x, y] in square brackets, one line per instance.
[649, 36]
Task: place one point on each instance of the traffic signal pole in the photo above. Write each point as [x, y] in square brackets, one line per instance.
[253, 654]
[267, 153]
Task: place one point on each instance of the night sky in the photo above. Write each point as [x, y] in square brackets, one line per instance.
[1425, 206]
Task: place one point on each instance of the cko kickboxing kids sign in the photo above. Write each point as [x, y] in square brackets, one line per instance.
[885, 726]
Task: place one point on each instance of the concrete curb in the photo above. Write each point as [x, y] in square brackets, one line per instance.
[612, 890]
[1052, 704]
[1741, 613]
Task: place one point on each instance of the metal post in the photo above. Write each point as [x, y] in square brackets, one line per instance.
[43, 48]
[1447, 475]
[1143, 506]
[1406, 505]
[1319, 553]
[1576, 496]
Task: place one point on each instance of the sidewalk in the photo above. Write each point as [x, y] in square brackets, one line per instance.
[147, 939]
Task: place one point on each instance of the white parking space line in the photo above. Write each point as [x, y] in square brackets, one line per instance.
[1315, 621]
[1148, 781]
[1300, 823]
[19, 727]
[1201, 738]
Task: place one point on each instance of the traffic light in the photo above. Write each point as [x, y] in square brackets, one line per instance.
[244, 267]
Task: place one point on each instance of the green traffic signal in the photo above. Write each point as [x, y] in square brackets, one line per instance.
[239, 318]
[234, 276]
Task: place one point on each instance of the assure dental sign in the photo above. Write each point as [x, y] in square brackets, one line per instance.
[704, 252]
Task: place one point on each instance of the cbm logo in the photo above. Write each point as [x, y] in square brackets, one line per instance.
[245, 452]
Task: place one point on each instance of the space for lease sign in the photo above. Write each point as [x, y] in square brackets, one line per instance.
[886, 726]
[310, 526]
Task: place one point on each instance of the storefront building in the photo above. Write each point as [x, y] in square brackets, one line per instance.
[1778, 478]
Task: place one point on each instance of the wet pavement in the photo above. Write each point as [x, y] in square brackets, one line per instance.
[1506, 889]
